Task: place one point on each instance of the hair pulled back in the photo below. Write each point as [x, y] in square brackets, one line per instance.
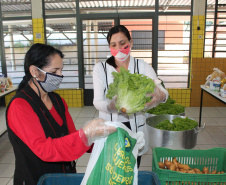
[112, 31]
[117, 29]
[38, 55]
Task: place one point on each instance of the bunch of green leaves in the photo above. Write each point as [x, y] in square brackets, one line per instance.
[178, 124]
[169, 107]
[131, 90]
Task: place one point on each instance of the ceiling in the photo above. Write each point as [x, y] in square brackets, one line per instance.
[12, 8]
[24, 6]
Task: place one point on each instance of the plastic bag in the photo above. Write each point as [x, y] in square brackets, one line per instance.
[114, 159]
[217, 75]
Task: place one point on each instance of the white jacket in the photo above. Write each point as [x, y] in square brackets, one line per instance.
[100, 80]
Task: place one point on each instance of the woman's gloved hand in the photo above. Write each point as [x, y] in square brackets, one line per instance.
[157, 97]
[111, 105]
[95, 129]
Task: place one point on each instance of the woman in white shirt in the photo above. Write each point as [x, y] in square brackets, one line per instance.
[120, 44]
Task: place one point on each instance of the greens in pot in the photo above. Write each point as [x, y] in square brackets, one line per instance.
[170, 107]
[178, 124]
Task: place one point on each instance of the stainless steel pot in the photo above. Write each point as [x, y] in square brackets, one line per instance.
[171, 139]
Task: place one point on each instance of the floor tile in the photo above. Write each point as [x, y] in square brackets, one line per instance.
[220, 139]
[6, 147]
[222, 110]
[145, 168]
[75, 111]
[189, 115]
[80, 122]
[96, 114]
[81, 170]
[204, 138]
[4, 138]
[10, 182]
[2, 110]
[146, 160]
[83, 161]
[7, 170]
[4, 181]
[195, 111]
[224, 129]
[149, 152]
[3, 126]
[7, 158]
[220, 121]
[215, 131]
[208, 121]
[195, 147]
[88, 112]
[206, 147]
[213, 112]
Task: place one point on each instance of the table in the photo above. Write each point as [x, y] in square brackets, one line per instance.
[9, 90]
[3, 127]
[215, 94]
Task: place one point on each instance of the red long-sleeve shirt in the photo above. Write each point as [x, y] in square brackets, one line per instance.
[24, 122]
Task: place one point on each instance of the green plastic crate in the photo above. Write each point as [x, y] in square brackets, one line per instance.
[214, 159]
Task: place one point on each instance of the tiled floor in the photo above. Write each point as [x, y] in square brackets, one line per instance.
[214, 135]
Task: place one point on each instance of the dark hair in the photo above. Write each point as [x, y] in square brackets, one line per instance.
[38, 55]
[117, 29]
[114, 30]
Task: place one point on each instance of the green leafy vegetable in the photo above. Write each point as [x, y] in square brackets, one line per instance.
[131, 90]
[178, 124]
[169, 107]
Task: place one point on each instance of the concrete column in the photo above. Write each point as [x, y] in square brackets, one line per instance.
[88, 39]
[38, 21]
[198, 28]
[95, 22]
[2, 47]
[11, 44]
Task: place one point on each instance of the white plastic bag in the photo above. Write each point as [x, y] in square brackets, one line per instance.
[216, 76]
[114, 159]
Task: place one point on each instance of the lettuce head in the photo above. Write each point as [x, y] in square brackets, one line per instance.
[131, 90]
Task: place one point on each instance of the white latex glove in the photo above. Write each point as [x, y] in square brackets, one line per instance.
[156, 98]
[95, 129]
[111, 105]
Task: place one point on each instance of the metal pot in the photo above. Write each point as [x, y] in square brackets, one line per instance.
[171, 139]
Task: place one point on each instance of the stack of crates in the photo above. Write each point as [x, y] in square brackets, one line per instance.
[213, 159]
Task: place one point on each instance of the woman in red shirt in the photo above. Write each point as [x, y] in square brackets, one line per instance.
[39, 124]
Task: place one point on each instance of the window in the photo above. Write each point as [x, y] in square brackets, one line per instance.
[173, 60]
[215, 31]
[142, 39]
[18, 37]
[62, 34]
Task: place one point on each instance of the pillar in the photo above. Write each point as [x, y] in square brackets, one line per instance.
[38, 21]
[198, 28]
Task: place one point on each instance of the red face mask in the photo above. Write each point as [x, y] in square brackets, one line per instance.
[121, 54]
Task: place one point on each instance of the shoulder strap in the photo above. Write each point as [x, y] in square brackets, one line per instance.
[58, 104]
[105, 70]
[136, 69]
[136, 66]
